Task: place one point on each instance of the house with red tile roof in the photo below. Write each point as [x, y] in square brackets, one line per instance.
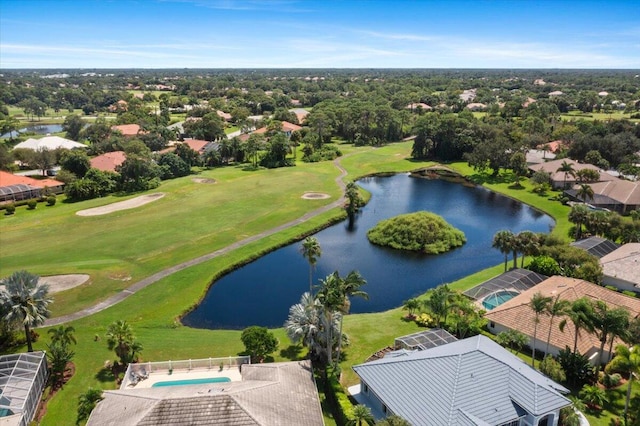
[127, 130]
[17, 188]
[224, 115]
[287, 128]
[516, 314]
[108, 161]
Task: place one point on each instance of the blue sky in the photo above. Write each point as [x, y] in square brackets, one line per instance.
[319, 34]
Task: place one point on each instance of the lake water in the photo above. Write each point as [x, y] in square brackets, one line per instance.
[261, 292]
[41, 129]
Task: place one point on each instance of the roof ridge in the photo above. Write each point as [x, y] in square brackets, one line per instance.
[455, 387]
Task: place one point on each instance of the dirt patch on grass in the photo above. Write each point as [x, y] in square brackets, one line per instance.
[58, 283]
[315, 196]
[203, 180]
[121, 205]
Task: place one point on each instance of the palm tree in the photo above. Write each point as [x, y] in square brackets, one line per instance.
[556, 307]
[581, 314]
[311, 251]
[608, 323]
[87, 402]
[578, 215]
[628, 360]
[353, 201]
[331, 297]
[439, 303]
[303, 323]
[59, 355]
[593, 396]
[26, 301]
[120, 338]
[539, 305]
[411, 305]
[361, 414]
[528, 243]
[568, 170]
[585, 191]
[504, 241]
[350, 286]
[63, 335]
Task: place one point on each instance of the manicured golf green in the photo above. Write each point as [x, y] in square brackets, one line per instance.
[192, 219]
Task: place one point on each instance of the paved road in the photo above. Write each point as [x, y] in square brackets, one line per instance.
[117, 298]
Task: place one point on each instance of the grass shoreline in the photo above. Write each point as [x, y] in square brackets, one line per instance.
[155, 311]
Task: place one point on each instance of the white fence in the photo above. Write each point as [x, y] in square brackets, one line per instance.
[141, 370]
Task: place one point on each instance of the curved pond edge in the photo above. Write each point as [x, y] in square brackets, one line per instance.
[436, 171]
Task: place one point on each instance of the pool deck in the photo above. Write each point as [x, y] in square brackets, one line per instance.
[232, 373]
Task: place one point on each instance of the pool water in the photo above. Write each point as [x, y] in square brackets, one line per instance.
[191, 382]
[496, 299]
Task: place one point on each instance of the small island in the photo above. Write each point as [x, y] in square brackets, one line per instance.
[421, 231]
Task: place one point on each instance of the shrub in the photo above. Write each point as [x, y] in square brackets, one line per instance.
[544, 265]
[552, 369]
[425, 320]
[335, 392]
[51, 200]
[259, 342]
[32, 204]
[10, 209]
[610, 380]
[577, 368]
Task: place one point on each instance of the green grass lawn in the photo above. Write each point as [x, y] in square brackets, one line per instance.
[191, 220]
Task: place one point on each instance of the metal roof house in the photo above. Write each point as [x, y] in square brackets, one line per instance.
[473, 381]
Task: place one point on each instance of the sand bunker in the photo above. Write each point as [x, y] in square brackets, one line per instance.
[203, 180]
[58, 283]
[121, 205]
[315, 196]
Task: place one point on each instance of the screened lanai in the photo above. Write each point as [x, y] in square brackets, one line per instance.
[423, 340]
[596, 246]
[514, 281]
[22, 379]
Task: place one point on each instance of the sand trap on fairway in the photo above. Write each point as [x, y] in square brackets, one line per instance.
[58, 283]
[204, 180]
[315, 196]
[121, 205]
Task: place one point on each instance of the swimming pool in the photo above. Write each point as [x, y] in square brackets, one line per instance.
[191, 382]
[497, 298]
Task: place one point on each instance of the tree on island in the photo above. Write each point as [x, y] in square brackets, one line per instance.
[421, 231]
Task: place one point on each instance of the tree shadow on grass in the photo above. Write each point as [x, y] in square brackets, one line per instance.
[106, 375]
[293, 352]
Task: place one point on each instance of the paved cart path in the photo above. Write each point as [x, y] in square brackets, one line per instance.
[117, 298]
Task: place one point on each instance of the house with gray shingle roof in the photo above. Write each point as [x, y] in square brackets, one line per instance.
[278, 394]
[473, 381]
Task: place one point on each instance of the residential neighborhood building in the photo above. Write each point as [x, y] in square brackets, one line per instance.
[17, 188]
[614, 194]
[596, 246]
[516, 314]
[538, 156]
[473, 381]
[108, 161]
[271, 394]
[287, 128]
[127, 130]
[49, 142]
[621, 268]
[560, 179]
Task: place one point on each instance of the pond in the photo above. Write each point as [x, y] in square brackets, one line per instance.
[41, 129]
[261, 292]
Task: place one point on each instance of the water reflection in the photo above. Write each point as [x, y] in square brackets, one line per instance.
[261, 292]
